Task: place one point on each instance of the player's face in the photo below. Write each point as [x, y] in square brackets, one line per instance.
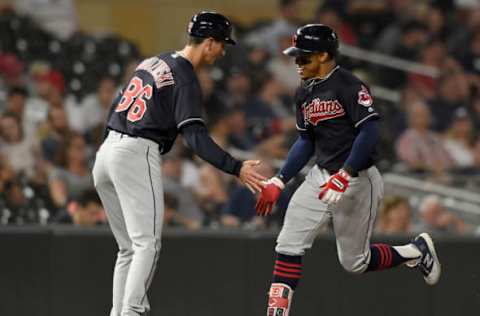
[214, 50]
[307, 67]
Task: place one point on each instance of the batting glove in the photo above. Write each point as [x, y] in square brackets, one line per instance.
[269, 195]
[335, 186]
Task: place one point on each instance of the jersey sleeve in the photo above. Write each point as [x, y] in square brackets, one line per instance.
[359, 104]
[188, 104]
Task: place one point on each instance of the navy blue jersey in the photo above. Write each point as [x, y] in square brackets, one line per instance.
[331, 110]
[161, 97]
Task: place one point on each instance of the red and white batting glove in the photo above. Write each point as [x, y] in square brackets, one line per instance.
[335, 186]
[269, 195]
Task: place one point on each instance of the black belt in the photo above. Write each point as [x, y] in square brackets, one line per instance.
[122, 135]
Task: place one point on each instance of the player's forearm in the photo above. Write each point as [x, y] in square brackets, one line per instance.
[298, 156]
[362, 148]
[197, 138]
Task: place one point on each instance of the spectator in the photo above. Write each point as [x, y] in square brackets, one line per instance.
[220, 128]
[471, 59]
[258, 59]
[239, 135]
[453, 93]
[436, 218]
[172, 169]
[49, 88]
[420, 148]
[11, 71]
[369, 18]
[190, 172]
[460, 141]
[212, 102]
[414, 35]
[93, 111]
[467, 20]
[239, 209]
[286, 22]
[58, 17]
[283, 68]
[7, 174]
[174, 218]
[72, 177]
[329, 15]
[398, 123]
[476, 154]
[55, 134]
[395, 216]
[228, 127]
[266, 113]
[15, 104]
[15, 206]
[18, 209]
[212, 193]
[402, 11]
[85, 210]
[435, 20]
[238, 88]
[21, 150]
[474, 111]
[433, 54]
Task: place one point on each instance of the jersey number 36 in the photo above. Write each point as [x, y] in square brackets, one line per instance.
[135, 98]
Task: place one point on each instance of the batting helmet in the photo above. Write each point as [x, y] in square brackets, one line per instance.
[313, 38]
[211, 24]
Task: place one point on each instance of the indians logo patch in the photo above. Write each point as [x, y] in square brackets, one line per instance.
[364, 97]
[317, 111]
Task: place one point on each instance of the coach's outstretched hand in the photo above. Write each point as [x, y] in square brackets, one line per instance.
[269, 195]
[250, 177]
[334, 188]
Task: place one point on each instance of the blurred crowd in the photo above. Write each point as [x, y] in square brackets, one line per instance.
[57, 84]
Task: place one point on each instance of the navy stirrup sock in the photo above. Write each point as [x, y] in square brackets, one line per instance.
[287, 270]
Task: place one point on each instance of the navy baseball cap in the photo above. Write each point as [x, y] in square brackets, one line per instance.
[211, 24]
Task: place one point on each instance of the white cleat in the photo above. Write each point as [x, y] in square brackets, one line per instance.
[428, 263]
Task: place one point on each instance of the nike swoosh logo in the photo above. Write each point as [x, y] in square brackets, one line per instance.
[272, 303]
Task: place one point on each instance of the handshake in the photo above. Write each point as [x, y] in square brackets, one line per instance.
[331, 191]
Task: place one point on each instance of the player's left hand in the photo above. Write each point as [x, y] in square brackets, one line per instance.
[335, 186]
[269, 195]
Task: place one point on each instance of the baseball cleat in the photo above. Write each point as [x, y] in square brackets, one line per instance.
[279, 300]
[428, 263]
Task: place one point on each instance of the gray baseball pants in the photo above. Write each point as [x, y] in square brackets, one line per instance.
[128, 179]
[352, 217]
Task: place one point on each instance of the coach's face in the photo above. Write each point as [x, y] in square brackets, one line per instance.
[213, 50]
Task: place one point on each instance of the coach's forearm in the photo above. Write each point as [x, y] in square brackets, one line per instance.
[197, 137]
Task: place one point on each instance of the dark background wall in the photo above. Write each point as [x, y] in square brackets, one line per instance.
[68, 271]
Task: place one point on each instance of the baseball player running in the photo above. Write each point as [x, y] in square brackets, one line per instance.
[161, 100]
[337, 123]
